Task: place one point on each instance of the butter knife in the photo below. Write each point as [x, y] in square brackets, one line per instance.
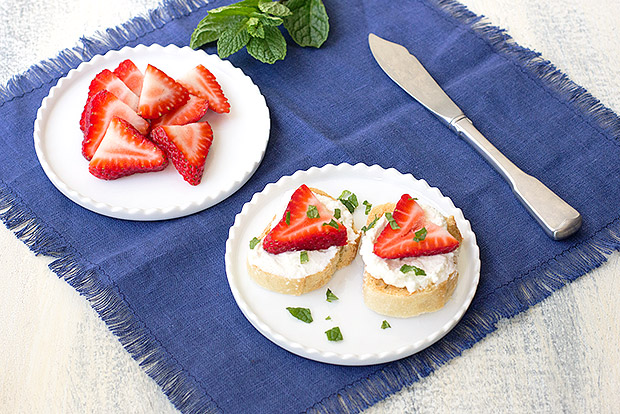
[557, 218]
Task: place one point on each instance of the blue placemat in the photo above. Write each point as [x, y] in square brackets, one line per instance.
[161, 286]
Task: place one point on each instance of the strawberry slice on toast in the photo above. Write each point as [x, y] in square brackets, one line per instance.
[416, 236]
[100, 110]
[187, 146]
[112, 83]
[129, 73]
[200, 82]
[306, 225]
[124, 151]
[160, 94]
[191, 112]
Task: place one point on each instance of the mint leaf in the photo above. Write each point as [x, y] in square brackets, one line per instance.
[349, 200]
[334, 334]
[308, 24]
[255, 28]
[312, 212]
[254, 242]
[420, 235]
[330, 297]
[303, 257]
[393, 224]
[408, 268]
[274, 8]
[385, 325]
[233, 39]
[368, 207]
[269, 49]
[210, 28]
[303, 314]
[332, 223]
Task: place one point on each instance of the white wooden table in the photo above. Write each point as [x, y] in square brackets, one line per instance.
[562, 355]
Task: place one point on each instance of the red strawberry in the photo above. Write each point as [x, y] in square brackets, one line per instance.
[191, 112]
[124, 151]
[200, 82]
[404, 242]
[98, 114]
[187, 146]
[160, 94]
[112, 83]
[129, 73]
[302, 232]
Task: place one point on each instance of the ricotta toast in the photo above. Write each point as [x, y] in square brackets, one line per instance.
[410, 256]
[314, 237]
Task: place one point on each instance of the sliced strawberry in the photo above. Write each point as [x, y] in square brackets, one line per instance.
[160, 94]
[187, 146]
[124, 151]
[200, 82]
[98, 114]
[112, 83]
[404, 242]
[129, 73]
[303, 232]
[189, 113]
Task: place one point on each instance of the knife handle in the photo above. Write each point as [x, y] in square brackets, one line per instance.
[557, 218]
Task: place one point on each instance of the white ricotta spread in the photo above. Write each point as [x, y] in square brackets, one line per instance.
[437, 267]
[288, 264]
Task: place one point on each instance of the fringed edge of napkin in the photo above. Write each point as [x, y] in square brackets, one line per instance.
[533, 286]
[181, 388]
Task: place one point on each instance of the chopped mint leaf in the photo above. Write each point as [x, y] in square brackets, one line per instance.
[334, 334]
[303, 257]
[312, 212]
[420, 235]
[349, 200]
[368, 207]
[393, 224]
[332, 223]
[408, 268]
[287, 220]
[385, 325]
[330, 297]
[303, 314]
[370, 225]
[337, 213]
[254, 242]
[329, 318]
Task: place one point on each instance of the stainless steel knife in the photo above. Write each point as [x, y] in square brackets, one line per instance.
[558, 219]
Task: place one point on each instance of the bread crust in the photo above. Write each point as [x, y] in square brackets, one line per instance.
[398, 302]
[298, 286]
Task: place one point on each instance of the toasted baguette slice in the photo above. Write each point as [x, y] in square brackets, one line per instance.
[284, 283]
[399, 302]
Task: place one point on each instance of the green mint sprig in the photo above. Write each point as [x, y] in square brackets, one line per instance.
[253, 24]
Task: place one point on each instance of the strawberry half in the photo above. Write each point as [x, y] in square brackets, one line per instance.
[112, 83]
[160, 94]
[201, 82]
[124, 151]
[189, 113]
[98, 114]
[187, 146]
[404, 242]
[129, 73]
[303, 232]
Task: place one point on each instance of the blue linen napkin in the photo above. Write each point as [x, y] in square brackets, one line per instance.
[161, 286]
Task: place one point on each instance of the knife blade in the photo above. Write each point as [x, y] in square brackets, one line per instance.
[556, 217]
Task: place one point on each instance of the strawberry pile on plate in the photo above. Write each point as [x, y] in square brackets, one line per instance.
[135, 122]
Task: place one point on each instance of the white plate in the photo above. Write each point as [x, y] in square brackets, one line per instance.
[364, 342]
[239, 140]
